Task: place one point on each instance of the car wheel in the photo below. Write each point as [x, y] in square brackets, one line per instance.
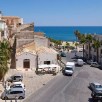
[5, 98]
[20, 80]
[20, 97]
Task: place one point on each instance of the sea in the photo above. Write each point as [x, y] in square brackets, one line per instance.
[66, 33]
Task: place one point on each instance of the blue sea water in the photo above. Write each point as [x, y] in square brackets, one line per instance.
[66, 33]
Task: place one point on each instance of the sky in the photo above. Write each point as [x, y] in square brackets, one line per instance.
[55, 12]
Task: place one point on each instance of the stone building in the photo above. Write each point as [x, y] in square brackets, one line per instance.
[12, 21]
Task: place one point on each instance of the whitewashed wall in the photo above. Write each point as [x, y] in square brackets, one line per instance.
[26, 55]
[46, 56]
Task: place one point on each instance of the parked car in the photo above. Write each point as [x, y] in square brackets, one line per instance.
[74, 51]
[13, 93]
[96, 96]
[63, 54]
[15, 78]
[95, 64]
[89, 62]
[79, 62]
[81, 50]
[16, 85]
[95, 86]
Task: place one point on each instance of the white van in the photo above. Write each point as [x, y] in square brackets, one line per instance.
[69, 68]
[14, 93]
[80, 62]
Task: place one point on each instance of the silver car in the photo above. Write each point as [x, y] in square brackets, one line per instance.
[13, 93]
[95, 64]
[15, 78]
[95, 86]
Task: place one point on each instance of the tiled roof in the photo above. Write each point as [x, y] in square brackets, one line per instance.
[26, 48]
[32, 48]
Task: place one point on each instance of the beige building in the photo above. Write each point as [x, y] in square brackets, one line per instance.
[13, 21]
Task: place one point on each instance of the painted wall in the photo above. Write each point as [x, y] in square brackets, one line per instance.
[46, 56]
[26, 55]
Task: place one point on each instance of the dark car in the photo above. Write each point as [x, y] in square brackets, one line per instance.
[63, 54]
[89, 62]
[96, 96]
[95, 64]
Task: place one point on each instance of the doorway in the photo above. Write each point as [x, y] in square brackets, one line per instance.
[26, 63]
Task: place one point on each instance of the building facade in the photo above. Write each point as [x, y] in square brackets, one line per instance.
[30, 55]
[93, 51]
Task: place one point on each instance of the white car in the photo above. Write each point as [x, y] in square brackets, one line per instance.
[16, 85]
[80, 62]
[69, 70]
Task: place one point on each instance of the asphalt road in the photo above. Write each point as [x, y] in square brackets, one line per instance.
[62, 88]
[70, 55]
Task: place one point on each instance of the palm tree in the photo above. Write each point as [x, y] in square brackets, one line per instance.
[89, 39]
[76, 44]
[77, 34]
[83, 41]
[67, 44]
[96, 46]
[4, 57]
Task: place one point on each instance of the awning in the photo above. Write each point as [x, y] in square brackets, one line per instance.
[48, 66]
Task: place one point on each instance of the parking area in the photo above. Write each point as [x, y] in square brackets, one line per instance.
[32, 81]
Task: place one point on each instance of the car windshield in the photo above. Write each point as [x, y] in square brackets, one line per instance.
[98, 86]
[17, 85]
[99, 94]
[63, 53]
[68, 68]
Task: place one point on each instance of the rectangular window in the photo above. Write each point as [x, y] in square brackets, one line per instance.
[46, 62]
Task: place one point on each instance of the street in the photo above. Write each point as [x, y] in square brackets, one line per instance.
[68, 89]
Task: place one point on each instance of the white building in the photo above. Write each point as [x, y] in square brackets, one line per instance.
[29, 55]
[3, 29]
